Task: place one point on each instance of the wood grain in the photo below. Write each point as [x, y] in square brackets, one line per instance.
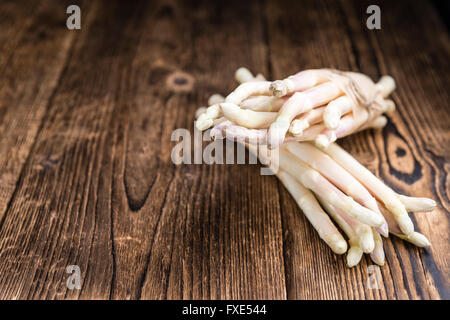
[32, 58]
[86, 176]
[396, 154]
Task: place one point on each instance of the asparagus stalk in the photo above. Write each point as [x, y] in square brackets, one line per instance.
[377, 255]
[314, 181]
[303, 122]
[263, 103]
[215, 99]
[415, 238]
[314, 213]
[335, 109]
[355, 252]
[375, 186]
[247, 118]
[417, 204]
[321, 162]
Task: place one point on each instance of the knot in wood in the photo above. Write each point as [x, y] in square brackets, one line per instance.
[180, 82]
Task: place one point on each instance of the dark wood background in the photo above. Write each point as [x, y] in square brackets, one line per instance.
[85, 172]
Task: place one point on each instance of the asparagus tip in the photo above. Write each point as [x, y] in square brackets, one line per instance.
[405, 224]
[354, 256]
[383, 229]
[199, 112]
[340, 247]
[277, 132]
[367, 243]
[243, 75]
[428, 204]
[419, 240]
[215, 99]
[297, 127]
[203, 123]
[331, 119]
[378, 258]
[322, 142]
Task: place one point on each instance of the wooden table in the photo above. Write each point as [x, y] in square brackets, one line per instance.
[86, 176]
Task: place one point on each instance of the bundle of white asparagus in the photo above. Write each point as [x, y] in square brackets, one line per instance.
[325, 180]
[318, 105]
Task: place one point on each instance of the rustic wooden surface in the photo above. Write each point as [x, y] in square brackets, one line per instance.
[85, 171]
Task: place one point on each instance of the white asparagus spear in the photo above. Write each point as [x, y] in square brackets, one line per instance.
[303, 122]
[247, 118]
[238, 133]
[386, 85]
[263, 103]
[417, 204]
[257, 103]
[355, 252]
[374, 185]
[243, 75]
[389, 106]
[341, 178]
[378, 123]
[260, 77]
[335, 110]
[314, 213]
[377, 255]
[363, 231]
[215, 99]
[312, 133]
[247, 89]
[217, 132]
[206, 119]
[298, 82]
[199, 112]
[309, 134]
[346, 126]
[300, 102]
[314, 181]
[415, 238]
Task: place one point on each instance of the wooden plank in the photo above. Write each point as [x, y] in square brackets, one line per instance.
[30, 65]
[199, 237]
[51, 221]
[332, 34]
[413, 148]
[15, 20]
[109, 198]
[34, 45]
